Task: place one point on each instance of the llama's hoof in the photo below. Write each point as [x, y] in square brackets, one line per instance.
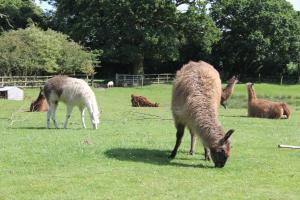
[171, 156]
[207, 158]
[191, 153]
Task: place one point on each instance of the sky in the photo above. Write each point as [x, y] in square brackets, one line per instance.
[46, 6]
[296, 4]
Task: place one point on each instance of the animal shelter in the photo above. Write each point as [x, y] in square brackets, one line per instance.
[11, 93]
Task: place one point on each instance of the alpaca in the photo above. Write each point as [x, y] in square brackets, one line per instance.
[73, 92]
[265, 108]
[195, 101]
[110, 84]
[228, 90]
[140, 101]
[40, 104]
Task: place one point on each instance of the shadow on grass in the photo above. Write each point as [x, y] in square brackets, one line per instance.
[152, 156]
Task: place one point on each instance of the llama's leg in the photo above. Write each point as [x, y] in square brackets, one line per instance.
[48, 116]
[68, 115]
[53, 113]
[82, 116]
[193, 143]
[179, 135]
[206, 154]
[223, 104]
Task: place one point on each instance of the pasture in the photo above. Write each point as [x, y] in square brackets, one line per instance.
[126, 158]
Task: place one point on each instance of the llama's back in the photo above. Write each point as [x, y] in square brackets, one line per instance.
[196, 89]
[265, 109]
[67, 89]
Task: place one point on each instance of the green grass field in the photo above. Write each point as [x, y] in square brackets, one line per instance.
[126, 158]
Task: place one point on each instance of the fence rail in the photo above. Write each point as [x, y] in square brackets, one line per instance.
[140, 80]
[31, 81]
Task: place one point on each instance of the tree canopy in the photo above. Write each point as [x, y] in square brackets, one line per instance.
[34, 51]
[257, 36]
[16, 14]
[130, 31]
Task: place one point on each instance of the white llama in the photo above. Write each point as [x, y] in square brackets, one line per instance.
[110, 84]
[73, 92]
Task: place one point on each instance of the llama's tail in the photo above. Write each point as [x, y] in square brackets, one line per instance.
[286, 110]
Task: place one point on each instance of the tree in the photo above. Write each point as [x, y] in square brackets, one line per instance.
[16, 14]
[198, 32]
[34, 51]
[128, 31]
[257, 36]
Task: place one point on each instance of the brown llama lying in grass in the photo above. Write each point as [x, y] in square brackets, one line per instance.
[228, 90]
[265, 108]
[195, 101]
[140, 101]
[40, 104]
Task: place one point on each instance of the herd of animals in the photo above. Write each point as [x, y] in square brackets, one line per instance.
[197, 94]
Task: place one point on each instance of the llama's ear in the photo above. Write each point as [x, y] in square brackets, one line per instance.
[227, 136]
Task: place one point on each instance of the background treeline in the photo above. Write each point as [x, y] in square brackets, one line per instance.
[246, 37]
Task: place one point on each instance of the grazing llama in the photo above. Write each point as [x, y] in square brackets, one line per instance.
[228, 90]
[110, 84]
[265, 108]
[196, 97]
[140, 101]
[73, 92]
[40, 104]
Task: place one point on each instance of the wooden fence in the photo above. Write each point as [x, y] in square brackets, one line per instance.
[125, 80]
[31, 81]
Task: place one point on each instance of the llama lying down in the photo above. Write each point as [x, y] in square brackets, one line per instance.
[265, 108]
[73, 92]
[195, 101]
[40, 104]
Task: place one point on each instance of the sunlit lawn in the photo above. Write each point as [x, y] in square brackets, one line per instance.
[126, 158]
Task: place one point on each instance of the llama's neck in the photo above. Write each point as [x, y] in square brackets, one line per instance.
[210, 129]
[92, 104]
[229, 88]
[251, 94]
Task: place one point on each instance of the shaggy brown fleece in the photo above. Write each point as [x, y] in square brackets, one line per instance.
[140, 101]
[195, 101]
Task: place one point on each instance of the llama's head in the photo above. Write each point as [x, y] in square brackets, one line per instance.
[233, 80]
[249, 85]
[221, 151]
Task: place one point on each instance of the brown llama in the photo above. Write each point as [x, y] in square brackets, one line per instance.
[226, 94]
[195, 101]
[40, 104]
[140, 101]
[265, 108]
[228, 90]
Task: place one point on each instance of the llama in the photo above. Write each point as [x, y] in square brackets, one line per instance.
[228, 90]
[40, 104]
[110, 84]
[265, 108]
[195, 101]
[226, 94]
[140, 101]
[73, 92]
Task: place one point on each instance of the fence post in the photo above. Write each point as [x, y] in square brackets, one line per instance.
[117, 79]
[281, 79]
